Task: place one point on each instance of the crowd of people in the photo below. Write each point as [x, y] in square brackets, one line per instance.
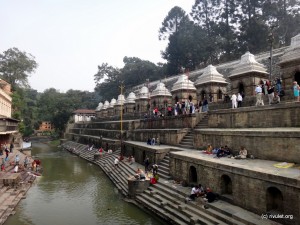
[225, 151]
[199, 191]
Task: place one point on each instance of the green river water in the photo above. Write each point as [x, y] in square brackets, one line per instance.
[74, 192]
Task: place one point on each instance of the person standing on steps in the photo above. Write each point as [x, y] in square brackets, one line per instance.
[116, 162]
[147, 163]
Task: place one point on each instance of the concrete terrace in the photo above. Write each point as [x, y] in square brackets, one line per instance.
[254, 165]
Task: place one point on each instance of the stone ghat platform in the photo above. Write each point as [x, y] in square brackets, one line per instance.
[253, 184]
[13, 186]
[276, 143]
[167, 198]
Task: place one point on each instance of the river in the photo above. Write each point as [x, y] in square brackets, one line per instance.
[74, 192]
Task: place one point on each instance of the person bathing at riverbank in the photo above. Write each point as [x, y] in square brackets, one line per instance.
[140, 174]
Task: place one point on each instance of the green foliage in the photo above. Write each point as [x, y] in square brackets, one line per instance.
[171, 23]
[135, 71]
[222, 30]
[22, 127]
[16, 67]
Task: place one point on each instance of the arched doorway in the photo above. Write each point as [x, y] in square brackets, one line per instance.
[190, 98]
[226, 185]
[220, 94]
[176, 99]
[203, 94]
[241, 88]
[193, 175]
[154, 103]
[297, 77]
[274, 200]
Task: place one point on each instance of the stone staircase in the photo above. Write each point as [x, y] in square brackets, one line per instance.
[118, 175]
[188, 139]
[203, 123]
[167, 198]
[164, 168]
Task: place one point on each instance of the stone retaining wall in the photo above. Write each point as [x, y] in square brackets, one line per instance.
[272, 144]
[280, 115]
[249, 188]
[166, 136]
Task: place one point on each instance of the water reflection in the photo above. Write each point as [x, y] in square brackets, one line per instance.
[72, 191]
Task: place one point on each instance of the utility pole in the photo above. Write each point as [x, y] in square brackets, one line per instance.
[271, 41]
[121, 118]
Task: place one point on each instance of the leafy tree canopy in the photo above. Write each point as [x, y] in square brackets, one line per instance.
[16, 67]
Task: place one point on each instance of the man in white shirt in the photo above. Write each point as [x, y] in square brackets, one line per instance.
[259, 100]
[239, 100]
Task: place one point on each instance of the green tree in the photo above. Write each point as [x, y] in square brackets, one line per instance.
[171, 23]
[136, 71]
[16, 67]
[107, 81]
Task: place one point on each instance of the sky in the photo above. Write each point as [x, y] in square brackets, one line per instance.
[70, 38]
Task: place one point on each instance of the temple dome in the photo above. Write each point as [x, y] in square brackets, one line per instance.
[293, 51]
[131, 98]
[248, 64]
[112, 103]
[183, 83]
[160, 90]
[99, 107]
[121, 100]
[144, 93]
[210, 75]
[106, 105]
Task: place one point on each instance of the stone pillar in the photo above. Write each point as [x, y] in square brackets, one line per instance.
[137, 186]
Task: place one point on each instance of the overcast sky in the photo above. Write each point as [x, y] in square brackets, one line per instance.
[70, 38]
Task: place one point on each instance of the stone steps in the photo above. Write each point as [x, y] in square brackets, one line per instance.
[168, 200]
[164, 169]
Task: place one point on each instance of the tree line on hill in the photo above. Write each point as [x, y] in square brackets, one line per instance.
[213, 32]
[31, 107]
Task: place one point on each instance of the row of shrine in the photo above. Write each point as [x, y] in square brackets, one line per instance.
[211, 85]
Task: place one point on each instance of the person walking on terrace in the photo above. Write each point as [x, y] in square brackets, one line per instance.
[270, 94]
[259, 100]
[239, 100]
[296, 89]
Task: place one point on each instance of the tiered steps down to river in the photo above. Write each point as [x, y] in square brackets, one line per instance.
[167, 198]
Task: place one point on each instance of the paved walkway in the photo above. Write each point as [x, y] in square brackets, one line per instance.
[257, 165]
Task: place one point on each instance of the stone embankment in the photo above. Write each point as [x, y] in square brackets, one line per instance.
[167, 198]
[13, 186]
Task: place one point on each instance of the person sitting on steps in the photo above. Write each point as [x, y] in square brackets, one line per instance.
[242, 153]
